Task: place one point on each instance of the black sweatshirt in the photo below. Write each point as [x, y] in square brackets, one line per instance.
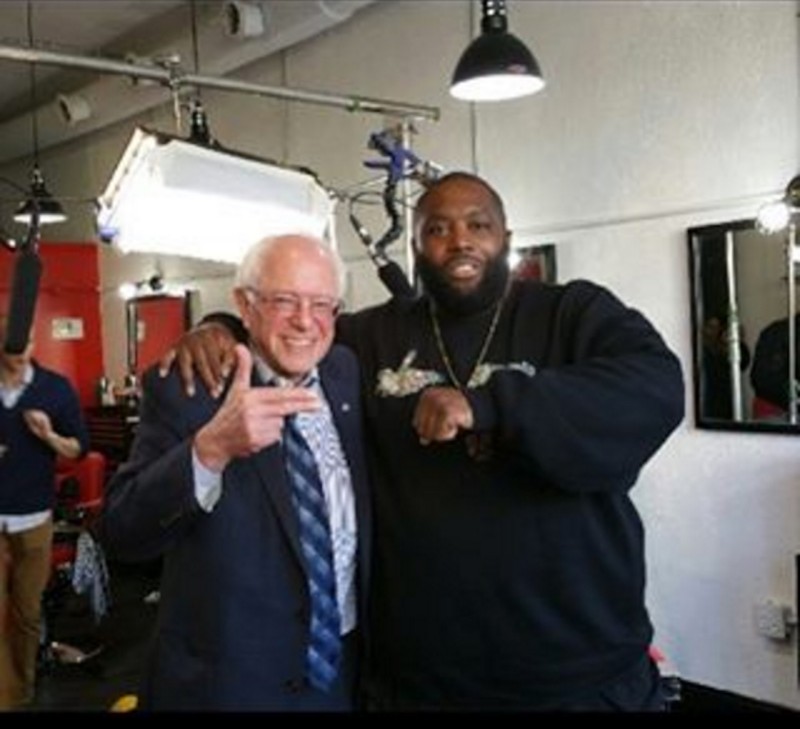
[517, 576]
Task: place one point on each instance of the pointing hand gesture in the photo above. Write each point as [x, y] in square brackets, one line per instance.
[250, 418]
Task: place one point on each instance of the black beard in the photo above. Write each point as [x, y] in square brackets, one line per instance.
[489, 291]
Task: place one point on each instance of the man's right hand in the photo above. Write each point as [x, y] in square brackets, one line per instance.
[207, 348]
[441, 413]
[250, 418]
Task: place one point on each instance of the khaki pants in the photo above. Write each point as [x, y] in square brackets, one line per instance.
[24, 572]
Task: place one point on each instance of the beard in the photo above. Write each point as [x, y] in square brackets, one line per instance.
[489, 290]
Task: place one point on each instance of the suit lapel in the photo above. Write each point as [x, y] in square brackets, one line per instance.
[269, 468]
[268, 465]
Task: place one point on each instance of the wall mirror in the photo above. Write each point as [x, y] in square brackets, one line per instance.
[743, 290]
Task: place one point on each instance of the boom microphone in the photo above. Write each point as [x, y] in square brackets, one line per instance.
[389, 272]
[395, 280]
[22, 303]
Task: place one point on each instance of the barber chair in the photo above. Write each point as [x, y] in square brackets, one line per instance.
[79, 497]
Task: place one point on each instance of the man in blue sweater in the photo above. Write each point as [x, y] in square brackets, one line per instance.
[507, 422]
[40, 419]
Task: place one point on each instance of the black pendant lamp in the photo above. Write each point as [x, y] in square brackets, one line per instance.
[497, 65]
[39, 198]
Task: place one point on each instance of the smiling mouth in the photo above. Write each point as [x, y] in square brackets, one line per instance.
[298, 342]
[463, 269]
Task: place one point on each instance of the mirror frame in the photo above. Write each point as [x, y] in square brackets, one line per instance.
[695, 235]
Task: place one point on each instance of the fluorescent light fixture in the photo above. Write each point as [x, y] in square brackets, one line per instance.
[173, 196]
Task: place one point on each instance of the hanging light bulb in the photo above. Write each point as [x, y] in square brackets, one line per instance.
[127, 290]
[772, 217]
[775, 216]
[199, 131]
[39, 199]
[7, 240]
[496, 65]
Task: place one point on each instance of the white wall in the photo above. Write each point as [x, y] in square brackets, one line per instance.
[657, 116]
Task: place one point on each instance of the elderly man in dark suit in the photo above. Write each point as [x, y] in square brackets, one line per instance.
[210, 485]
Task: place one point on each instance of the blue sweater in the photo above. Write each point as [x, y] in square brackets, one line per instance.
[27, 469]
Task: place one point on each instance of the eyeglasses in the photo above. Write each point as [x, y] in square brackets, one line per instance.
[289, 304]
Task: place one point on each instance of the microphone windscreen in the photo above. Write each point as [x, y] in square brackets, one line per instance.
[22, 303]
[395, 280]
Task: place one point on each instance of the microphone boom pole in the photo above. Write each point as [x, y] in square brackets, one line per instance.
[25, 279]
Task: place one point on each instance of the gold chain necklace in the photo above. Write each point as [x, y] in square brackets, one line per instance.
[437, 333]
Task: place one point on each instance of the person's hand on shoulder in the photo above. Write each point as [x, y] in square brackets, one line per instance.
[206, 350]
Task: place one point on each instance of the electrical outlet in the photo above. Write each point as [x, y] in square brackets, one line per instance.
[773, 619]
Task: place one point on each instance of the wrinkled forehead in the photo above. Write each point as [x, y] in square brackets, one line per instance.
[301, 268]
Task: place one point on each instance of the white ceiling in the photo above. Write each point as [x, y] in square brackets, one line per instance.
[122, 30]
[82, 27]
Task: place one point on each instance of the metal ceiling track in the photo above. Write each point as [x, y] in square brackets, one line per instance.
[174, 78]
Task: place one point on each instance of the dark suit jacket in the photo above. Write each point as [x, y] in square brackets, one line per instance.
[233, 616]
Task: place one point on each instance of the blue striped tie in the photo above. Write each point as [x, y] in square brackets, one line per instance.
[325, 645]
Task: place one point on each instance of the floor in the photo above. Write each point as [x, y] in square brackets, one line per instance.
[112, 651]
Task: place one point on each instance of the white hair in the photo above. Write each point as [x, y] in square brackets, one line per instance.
[249, 269]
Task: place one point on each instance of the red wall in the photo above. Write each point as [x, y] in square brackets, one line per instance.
[69, 287]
